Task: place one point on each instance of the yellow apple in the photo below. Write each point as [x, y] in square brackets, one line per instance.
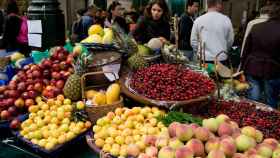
[99, 142]
[42, 142]
[107, 147]
[80, 105]
[119, 140]
[67, 102]
[61, 139]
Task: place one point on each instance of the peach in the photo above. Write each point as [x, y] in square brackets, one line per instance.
[211, 124]
[244, 142]
[249, 131]
[222, 118]
[162, 142]
[272, 142]
[225, 129]
[250, 152]
[212, 144]
[194, 126]
[276, 153]
[228, 147]
[133, 150]
[202, 133]
[175, 143]
[196, 146]
[264, 150]
[166, 152]
[172, 129]
[256, 156]
[259, 136]
[228, 138]
[142, 155]
[151, 151]
[216, 154]
[184, 152]
[150, 140]
[239, 155]
[184, 132]
[234, 125]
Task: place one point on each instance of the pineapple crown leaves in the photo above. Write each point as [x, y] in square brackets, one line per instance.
[82, 60]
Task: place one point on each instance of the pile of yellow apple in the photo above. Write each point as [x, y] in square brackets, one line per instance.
[98, 98]
[96, 34]
[122, 132]
[50, 123]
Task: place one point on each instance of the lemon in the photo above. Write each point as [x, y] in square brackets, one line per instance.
[99, 99]
[95, 29]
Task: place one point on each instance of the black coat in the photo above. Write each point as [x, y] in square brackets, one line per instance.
[11, 31]
[147, 29]
[261, 57]
[185, 30]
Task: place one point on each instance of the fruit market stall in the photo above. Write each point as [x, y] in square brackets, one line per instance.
[121, 99]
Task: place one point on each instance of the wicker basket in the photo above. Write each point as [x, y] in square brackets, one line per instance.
[170, 105]
[96, 112]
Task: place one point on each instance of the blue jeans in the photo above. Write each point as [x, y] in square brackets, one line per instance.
[270, 88]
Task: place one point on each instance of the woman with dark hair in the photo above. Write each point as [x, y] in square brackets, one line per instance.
[15, 30]
[77, 26]
[154, 24]
[114, 10]
[115, 16]
[261, 58]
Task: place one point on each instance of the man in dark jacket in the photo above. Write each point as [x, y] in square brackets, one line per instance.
[185, 27]
[261, 59]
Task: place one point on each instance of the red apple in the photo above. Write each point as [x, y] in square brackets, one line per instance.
[12, 85]
[38, 87]
[30, 87]
[5, 115]
[15, 124]
[63, 65]
[46, 73]
[32, 94]
[56, 75]
[69, 59]
[36, 74]
[19, 103]
[46, 81]
[12, 110]
[60, 84]
[47, 63]
[28, 82]
[57, 91]
[7, 93]
[29, 75]
[21, 86]
[25, 95]
[3, 88]
[50, 94]
[35, 67]
[55, 67]
[29, 102]
[10, 101]
[14, 94]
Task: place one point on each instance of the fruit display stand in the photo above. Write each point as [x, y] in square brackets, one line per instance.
[127, 89]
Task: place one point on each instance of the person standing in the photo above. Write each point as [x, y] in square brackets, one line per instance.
[77, 26]
[154, 24]
[114, 10]
[15, 37]
[86, 21]
[213, 29]
[264, 16]
[185, 27]
[261, 59]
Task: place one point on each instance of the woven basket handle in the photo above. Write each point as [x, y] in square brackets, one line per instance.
[83, 79]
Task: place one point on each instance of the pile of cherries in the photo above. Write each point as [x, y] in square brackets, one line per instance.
[167, 82]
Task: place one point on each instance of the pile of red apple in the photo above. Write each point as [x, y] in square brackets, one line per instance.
[45, 79]
[218, 137]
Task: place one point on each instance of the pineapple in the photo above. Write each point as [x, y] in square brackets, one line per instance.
[72, 88]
